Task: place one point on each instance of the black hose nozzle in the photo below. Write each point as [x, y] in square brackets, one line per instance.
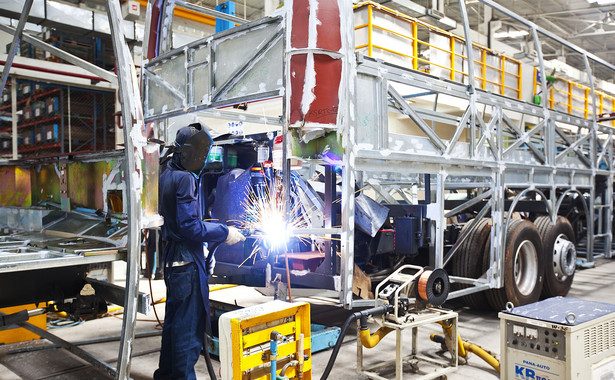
[362, 315]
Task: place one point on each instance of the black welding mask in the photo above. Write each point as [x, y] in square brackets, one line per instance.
[193, 143]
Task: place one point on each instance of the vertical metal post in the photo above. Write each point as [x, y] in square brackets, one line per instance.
[347, 127]
[370, 46]
[399, 354]
[95, 121]
[104, 123]
[329, 265]
[468, 41]
[549, 139]
[502, 74]
[470, 58]
[61, 110]
[14, 116]
[68, 113]
[440, 220]
[15, 43]
[166, 39]
[498, 234]
[134, 141]
[453, 55]
[549, 127]
[607, 199]
[286, 135]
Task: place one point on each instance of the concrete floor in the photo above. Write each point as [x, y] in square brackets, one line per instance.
[597, 284]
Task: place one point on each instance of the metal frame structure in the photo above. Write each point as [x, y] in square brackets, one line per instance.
[135, 144]
[561, 156]
[500, 154]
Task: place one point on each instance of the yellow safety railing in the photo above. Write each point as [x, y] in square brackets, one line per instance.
[573, 98]
[384, 33]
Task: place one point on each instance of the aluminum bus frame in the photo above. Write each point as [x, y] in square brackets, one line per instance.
[545, 161]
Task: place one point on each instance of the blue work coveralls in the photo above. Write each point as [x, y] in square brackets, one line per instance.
[186, 272]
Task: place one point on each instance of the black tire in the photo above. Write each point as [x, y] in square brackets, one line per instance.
[472, 260]
[523, 267]
[559, 258]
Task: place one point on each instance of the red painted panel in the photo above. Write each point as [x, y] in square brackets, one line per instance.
[297, 78]
[328, 75]
[300, 24]
[329, 36]
[155, 30]
[324, 107]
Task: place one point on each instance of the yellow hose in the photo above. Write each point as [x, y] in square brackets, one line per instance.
[464, 347]
[370, 341]
[448, 329]
[481, 353]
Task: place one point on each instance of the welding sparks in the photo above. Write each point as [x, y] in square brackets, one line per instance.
[266, 220]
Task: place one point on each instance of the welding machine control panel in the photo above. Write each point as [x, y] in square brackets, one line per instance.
[540, 340]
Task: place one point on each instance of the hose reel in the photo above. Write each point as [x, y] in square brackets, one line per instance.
[412, 288]
[406, 294]
[433, 286]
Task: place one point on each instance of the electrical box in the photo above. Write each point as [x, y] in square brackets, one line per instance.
[245, 336]
[131, 10]
[558, 339]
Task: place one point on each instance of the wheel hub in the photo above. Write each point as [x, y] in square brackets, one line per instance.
[564, 257]
[526, 267]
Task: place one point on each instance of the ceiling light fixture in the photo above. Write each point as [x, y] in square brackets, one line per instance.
[601, 2]
[511, 33]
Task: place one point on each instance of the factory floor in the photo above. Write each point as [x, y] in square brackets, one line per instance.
[482, 328]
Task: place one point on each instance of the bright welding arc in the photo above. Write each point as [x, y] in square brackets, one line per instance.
[266, 220]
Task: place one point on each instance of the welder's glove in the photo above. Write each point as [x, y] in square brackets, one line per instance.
[210, 260]
[211, 264]
[234, 236]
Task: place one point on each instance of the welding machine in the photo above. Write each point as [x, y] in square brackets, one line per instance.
[247, 349]
[558, 338]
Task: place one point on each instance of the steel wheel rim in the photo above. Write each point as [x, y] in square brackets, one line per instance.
[564, 257]
[525, 267]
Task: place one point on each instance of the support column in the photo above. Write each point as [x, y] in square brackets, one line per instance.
[483, 27]
[495, 274]
[607, 198]
[320, 72]
[134, 142]
[14, 115]
[470, 60]
[435, 212]
[468, 40]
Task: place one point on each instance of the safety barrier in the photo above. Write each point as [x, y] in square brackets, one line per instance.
[571, 97]
[387, 34]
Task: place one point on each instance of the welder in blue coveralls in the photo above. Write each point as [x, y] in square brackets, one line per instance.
[187, 263]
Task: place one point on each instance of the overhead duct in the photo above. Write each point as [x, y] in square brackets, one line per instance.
[66, 16]
[434, 15]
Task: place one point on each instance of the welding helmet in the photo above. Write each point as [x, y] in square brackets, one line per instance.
[193, 143]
